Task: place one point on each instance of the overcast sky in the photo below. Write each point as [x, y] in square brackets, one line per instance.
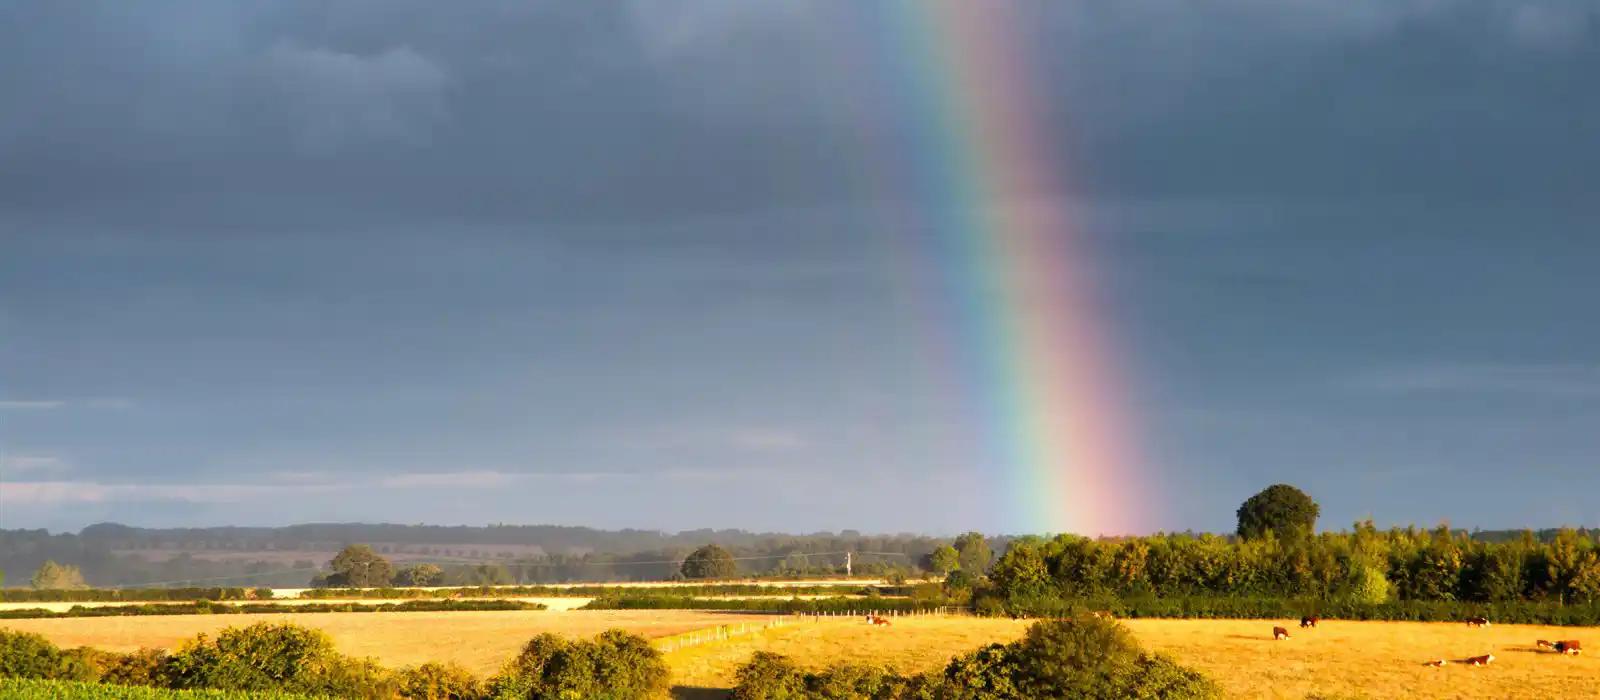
[633, 263]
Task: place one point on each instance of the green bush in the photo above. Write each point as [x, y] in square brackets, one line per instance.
[273, 657]
[437, 681]
[29, 655]
[1084, 657]
[15, 689]
[615, 665]
[769, 676]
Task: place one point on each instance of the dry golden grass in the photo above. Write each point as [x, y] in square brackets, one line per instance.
[1366, 659]
[481, 641]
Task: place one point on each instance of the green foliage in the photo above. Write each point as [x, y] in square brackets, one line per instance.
[202, 607]
[1077, 658]
[357, 566]
[437, 681]
[960, 580]
[56, 576]
[943, 560]
[1281, 509]
[1368, 585]
[794, 605]
[419, 575]
[15, 689]
[615, 665]
[273, 657]
[29, 655]
[710, 562]
[973, 554]
[1022, 570]
[97, 595]
[769, 676]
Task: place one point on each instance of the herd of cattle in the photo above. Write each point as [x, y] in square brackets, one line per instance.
[1566, 646]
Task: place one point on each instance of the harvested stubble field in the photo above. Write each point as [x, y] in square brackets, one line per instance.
[480, 641]
[1379, 660]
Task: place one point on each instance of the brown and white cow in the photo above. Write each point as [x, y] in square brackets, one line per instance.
[1478, 622]
[1309, 621]
[876, 621]
[1280, 634]
[1480, 660]
[1568, 646]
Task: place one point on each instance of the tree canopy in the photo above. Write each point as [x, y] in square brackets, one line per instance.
[52, 575]
[1281, 509]
[710, 561]
[974, 553]
[360, 567]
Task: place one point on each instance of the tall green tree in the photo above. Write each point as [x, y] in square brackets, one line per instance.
[55, 576]
[1283, 509]
[419, 575]
[973, 553]
[710, 561]
[360, 567]
[943, 560]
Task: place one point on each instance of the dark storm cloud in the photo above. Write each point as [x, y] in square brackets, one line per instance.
[294, 113]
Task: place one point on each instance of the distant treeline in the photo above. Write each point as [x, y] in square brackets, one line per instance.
[683, 590]
[140, 595]
[101, 553]
[1365, 565]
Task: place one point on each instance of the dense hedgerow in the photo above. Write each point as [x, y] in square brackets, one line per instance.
[1365, 565]
[209, 608]
[1083, 657]
[793, 605]
[131, 595]
[16, 689]
[1203, 607]
[740, 589]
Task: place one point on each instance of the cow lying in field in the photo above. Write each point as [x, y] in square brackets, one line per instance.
[1440, 662]
[1280, 633]
[1568, 646]
[876, 621]
[1480, 660]
[1309, 621]
[1478, 622]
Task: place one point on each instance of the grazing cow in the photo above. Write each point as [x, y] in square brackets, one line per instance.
[1478, 622]
[1280, 634]
[1440, 662]
[1309, 621]
[1568, 646]
[1480, 660]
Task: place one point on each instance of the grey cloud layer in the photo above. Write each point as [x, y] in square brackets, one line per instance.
[284, 113]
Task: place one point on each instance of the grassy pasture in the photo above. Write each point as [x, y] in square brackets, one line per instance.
[1360, 659]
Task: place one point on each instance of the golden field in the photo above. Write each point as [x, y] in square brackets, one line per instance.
[1379, 660]
[480, 641]
[1364, 659]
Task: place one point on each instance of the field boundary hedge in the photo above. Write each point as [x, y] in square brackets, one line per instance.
[1243, 608]
[687, 590]
[825, 605]
[131, 595]
[210, 608]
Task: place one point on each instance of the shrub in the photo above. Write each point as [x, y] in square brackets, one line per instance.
[1368, 585]
[273, 656]
[769, 676]
[13, 689]
[615, 665]
[29, 655]
[142, 667]
[436, 681]
[855, 682]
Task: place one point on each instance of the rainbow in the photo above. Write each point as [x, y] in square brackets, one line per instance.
[962, 141]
